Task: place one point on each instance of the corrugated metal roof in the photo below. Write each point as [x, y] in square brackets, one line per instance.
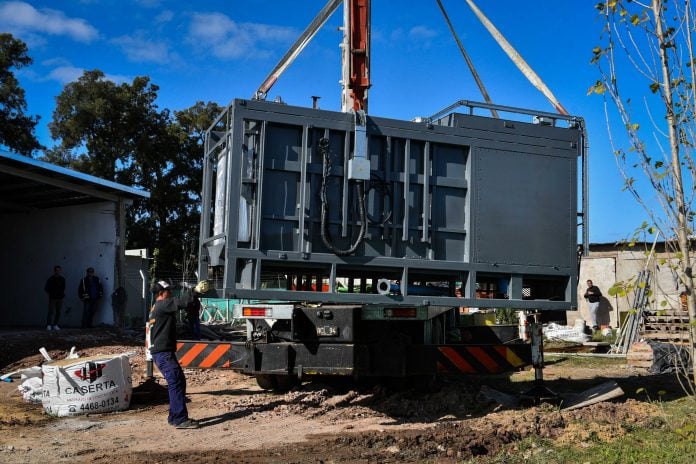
[26, 184]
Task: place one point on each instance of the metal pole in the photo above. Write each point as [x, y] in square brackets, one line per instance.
[346, 97]
[517, 58]
[297, 48]
[469, 63]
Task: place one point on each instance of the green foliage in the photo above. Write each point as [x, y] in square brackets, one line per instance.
[687, 432]
[16, 128]
[117, 132]
[597, 336]
[619, 289]
[505, 316]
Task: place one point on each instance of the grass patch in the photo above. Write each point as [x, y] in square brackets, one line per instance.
[669, 438]
[598, 337]
[568, 360]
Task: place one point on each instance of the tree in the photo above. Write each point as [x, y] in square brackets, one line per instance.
[117, 132]
[16, 128]
[99, 122]
[173, 174]
[651, 43]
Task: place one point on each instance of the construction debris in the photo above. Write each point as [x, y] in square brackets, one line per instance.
[87, 385]
[576, 333]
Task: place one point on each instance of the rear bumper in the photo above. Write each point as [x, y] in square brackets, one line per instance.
[358, 360]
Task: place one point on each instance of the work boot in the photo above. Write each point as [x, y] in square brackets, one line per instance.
[188, 424]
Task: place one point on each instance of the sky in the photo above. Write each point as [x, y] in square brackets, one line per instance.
[221, 50]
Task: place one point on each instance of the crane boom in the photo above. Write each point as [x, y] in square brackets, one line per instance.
[297, 48]
[356, 55]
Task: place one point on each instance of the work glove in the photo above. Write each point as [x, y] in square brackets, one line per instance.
[202, 287]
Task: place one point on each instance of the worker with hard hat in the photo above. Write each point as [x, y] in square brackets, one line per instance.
[162, 320]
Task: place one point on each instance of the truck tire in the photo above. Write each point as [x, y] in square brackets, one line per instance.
[277, 382]
[265, 381]
[284, 383]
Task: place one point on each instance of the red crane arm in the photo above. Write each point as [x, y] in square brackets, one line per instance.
[359, 52]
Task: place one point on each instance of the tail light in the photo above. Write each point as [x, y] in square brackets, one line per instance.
[400, 312]
[254, 311]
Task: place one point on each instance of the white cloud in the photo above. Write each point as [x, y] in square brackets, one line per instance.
[397, 35]
[22, 18]
[149, 3]
[421, 33]
[65, 74]
[228, 39]
[68, 73]
[165, 16]
[416, 34]
[140, 49]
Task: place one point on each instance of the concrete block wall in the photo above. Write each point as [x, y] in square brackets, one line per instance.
[605, 268]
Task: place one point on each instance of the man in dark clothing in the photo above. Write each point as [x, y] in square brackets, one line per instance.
[162, 320]
[593, 295]
[90, 291]
[193, 317]
[55, 287]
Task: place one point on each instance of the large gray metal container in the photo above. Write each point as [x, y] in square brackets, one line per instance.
[468, 201]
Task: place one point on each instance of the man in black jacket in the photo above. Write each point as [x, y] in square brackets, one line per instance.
[162, 321]
[593, 295]
[55, 287]
[90, 292]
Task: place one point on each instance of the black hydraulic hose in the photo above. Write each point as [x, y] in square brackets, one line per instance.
[325, 234]
[379, 186]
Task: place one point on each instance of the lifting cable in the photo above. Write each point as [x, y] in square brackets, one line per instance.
[325, 233]
[469, 63]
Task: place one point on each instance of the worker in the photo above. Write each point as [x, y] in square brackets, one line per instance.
[90, 292]
[593, 295]
[55, 287]
[193, 317]
[162, 320]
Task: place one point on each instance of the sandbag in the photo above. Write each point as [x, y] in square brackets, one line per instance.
[93, 384]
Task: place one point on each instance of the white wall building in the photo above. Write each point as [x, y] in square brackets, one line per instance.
[55, 216]
[608, 264]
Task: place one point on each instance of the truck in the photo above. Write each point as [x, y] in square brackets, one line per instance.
[354, 245]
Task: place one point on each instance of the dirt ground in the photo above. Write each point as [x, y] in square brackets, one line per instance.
[314, 423]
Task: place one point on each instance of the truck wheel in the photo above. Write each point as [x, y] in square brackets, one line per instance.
[284, 383]
[277, 382]
[265, 381]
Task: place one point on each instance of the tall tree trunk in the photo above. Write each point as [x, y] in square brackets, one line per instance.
[682, 220]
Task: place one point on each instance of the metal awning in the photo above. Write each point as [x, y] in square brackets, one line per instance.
[27, 184]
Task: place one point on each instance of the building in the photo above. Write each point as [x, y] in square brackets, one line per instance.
[55, 216]
[611, 263]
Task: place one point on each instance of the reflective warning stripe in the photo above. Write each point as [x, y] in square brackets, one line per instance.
[213, 357]
[186, 358]
[482, 356]
[208, 354]
[482, 359]
[456, 359]
[510, 355]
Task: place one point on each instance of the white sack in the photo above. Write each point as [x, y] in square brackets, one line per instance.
[94, 384]
[31, 390]
[563, 332]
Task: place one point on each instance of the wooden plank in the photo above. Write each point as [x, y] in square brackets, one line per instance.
[639, 356]
[666, 335]
[637, 363]
[667, 319]
[602, 392]
[667, 312]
